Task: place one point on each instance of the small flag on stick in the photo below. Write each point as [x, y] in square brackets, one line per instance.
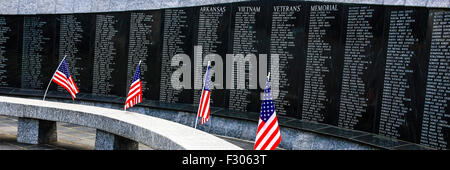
[204, 106]
[268, 134]
[135, 93]
[63, 78]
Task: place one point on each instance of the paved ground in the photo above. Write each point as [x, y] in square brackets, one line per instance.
[70, 137]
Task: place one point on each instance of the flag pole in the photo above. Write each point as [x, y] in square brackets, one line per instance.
[203, 88]
[53, 77]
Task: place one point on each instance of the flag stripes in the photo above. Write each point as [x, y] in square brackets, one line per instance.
[268, 131]
[204, 106]
[268, 135]
[135, 93]
[63, 78]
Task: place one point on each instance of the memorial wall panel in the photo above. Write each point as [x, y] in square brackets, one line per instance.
[211, 37]
[145, 45]
[10, 50]
[405, 73]
[249, 35]
[177, 35]
[110, 54]
[435, 123]
[288, 41]
[323, 66]
[363, 68]
[76, 42]
[39, 51]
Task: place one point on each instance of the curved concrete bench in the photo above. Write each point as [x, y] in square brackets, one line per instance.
[116, 129]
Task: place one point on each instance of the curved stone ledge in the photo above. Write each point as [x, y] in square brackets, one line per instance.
[151, 131]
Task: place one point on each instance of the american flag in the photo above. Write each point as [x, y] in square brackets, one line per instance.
[268, 134]
[63, 78]
[204, 107]
[135, 93]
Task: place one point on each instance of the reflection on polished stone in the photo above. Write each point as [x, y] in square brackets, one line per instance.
[300, 140]
[412, 147]
[306, 125]
[27, 92]
[384, 142]
[341, 132]
[237, 114]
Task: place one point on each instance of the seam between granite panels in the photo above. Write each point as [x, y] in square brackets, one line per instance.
[350, 139]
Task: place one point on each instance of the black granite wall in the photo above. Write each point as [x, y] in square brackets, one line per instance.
[373, 68]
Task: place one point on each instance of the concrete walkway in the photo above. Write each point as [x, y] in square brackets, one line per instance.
[70, 137]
